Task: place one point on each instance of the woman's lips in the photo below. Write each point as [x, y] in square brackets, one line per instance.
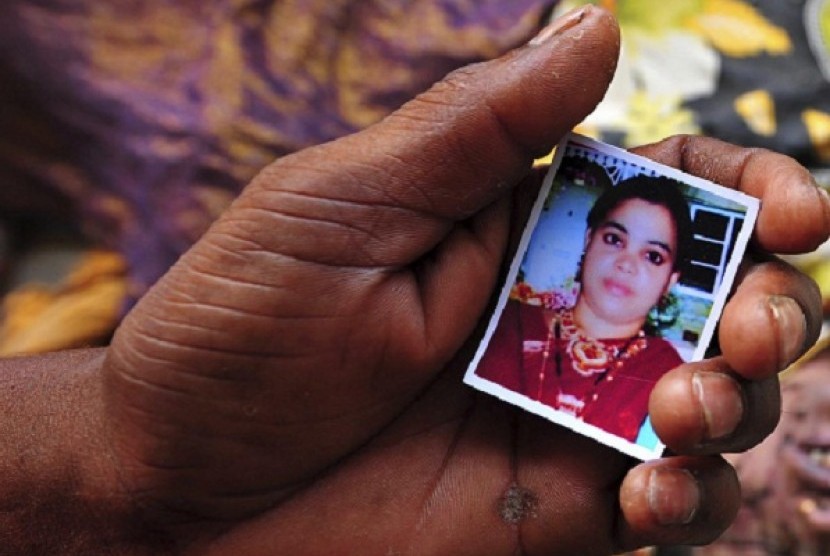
[617, 288]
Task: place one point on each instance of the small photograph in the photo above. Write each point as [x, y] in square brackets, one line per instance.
[620, 276]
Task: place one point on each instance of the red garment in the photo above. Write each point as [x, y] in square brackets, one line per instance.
[616, 402]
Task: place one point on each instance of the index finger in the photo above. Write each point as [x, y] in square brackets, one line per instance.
[795, 211]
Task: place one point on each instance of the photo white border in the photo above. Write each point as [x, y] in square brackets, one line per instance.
[751, 205]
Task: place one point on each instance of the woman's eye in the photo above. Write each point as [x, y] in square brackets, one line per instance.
[612, 238]
[655, 257]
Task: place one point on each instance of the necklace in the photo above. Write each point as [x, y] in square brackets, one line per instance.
[589, 357]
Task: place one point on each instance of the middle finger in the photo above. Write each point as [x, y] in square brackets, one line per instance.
[705, 408]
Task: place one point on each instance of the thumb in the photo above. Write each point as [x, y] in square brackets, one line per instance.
[334, 230]
[445, 155]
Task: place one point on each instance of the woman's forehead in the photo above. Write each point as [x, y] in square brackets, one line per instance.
[641, 217]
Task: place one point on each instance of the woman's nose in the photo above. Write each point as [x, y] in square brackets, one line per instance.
[626, 262]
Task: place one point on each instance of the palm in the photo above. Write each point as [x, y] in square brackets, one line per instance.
[427, 482]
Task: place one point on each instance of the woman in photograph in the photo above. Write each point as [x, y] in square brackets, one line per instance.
[595, 360]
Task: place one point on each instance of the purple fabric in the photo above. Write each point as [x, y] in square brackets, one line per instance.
[142, 119]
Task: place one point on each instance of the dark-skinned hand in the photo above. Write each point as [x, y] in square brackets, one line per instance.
[293, 384]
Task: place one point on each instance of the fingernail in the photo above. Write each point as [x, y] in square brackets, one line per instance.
[721, 402]
[558, 25]
[824, 197]
[673, 496]
[791, 326]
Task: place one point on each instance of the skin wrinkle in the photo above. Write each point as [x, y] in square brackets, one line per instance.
[182, 299]
[234, 312]
[234, 282]
[272, 177]
[320, 419]
[474, 167]
[182, 517]
[469, 230]
[464, 157]
[177, 370]
[146, 384]
[521, 150]
[223, 376]
[243, 246]
[279, 493]
[159, 344]
[421, 273]
[410, 279]
[521, 154]
[746, 159]
[155, 342]
[434, 260]
[276, 426]
[351, 180]
[432, 492]
[289, 488]
[275, 213]
[428, 210]
[339, 229]
[377, 440]
[403, 438]
[121, 491]
[256, 493]
[419, 117]
[476, 230]
[448, 143]
[363, 203]
[325, 317]
[203, 275]
[234, 234]
[429, 205]
[376, 377]
[452, 86]
[514, 474]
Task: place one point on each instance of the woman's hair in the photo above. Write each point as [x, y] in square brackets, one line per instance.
[655, 190]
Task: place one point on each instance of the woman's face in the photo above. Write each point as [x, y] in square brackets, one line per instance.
[628, 262]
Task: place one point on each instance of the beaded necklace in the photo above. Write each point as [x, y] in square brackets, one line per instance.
[589, 357]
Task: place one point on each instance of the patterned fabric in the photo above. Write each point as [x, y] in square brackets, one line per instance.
[615, 401]
[141, 120]
[751, 72]
[80, 310]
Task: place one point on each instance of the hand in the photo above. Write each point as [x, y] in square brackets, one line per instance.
[293, 384]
